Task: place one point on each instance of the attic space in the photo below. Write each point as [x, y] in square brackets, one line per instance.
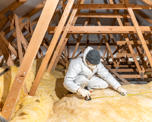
[75, 60]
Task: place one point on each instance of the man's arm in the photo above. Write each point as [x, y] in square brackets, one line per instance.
[73, 71]
[107, 76]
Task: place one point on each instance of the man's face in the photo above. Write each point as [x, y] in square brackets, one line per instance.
[91, 66]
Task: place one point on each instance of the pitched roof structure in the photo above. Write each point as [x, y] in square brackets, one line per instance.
[120, 29]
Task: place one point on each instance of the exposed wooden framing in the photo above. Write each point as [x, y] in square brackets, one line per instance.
[32, 49]
[65, 41]
[131, 66]
[11, 48]
[10, 8]
[10, 61]
[141, 55]
[140, 35]
[129, 46]
[35, 10]
[60, 52]
[106, 29]
[93, 44]
[124, 70]
[101, 15]
[134, 56]
[77, 45]
[82, 50]
[100, 29]
[107, 45]
[131, 42]
[143, 16]
[116, 74]
[123, 54]
[65, 54]
[78, 42]
[18, 35]
[132, 76]
[53, 43]
[4, 50]
[104, 54]
[113, 6]
[126, 2]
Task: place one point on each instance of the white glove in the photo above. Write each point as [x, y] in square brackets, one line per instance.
[83, 92]
[122, 91]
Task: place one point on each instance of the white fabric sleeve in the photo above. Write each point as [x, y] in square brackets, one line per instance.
[73, 71]
[107, 76]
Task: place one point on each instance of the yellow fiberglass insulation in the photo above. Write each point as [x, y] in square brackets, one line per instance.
[37, 108]
[47, 86]
[34, 109]
[28, 108]
[6, 81]
[107, 106]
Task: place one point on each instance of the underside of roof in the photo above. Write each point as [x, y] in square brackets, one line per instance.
[56, 31]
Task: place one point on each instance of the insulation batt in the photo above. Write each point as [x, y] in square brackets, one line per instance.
[29, 108]
[34, 109]
[37, 108]
[107, 106]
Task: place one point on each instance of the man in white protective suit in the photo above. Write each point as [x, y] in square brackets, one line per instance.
[87, 72]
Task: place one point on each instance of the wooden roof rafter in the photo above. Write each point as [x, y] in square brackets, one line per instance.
[64, 29]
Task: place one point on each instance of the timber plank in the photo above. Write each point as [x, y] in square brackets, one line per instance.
[28, 59]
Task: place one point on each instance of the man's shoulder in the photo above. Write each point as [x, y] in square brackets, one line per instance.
[77, 60]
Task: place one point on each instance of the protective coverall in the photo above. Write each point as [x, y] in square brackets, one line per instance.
[80, 75]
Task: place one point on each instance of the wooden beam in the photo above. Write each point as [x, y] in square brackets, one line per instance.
[132, 76]
[4, 50]
[28, 59]
[62, 43]
[66, 39]
[113, 6]
[140, 35]
[129, 55]
[11, 48]
[101, 15]
[116, 74]
[10, 61]
[100, 29]
[134, 56]
[12, 6]
[35, 10]
[129, 45]
[18, 35]
[106, 29]
[124, 70]
[107, 45]
[9, 9]
[91, 43]
[130, 42]
[52, 45]
[60, 52]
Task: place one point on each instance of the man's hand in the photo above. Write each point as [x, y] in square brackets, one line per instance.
[83, 92]
[122, 91]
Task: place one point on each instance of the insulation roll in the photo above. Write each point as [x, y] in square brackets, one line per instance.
[107, 105]
[34, 109]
